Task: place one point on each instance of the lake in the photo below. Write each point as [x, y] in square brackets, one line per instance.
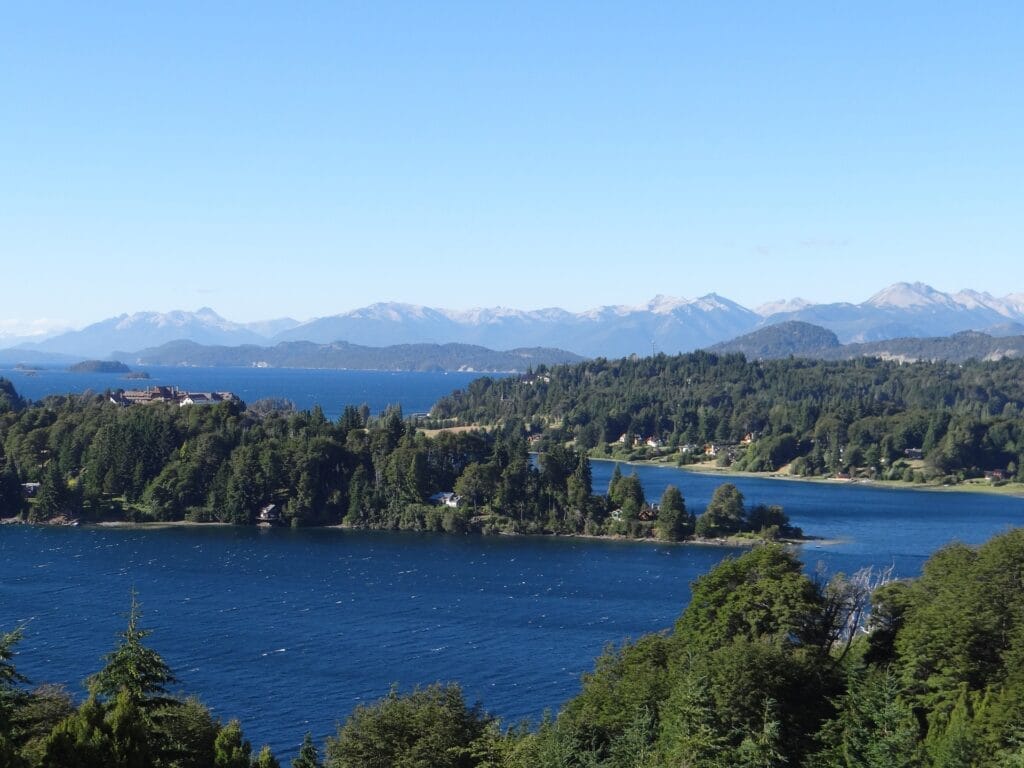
[289, 630]
[332, 390]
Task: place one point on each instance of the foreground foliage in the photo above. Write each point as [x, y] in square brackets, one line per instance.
[765, 667]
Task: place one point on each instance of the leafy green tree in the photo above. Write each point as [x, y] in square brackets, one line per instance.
[762, 595]
[428, 728]
[724, 514]
[130, 740]
[186, 732]
[476, 484]
[82, 740]
[674, 522]
[12, 501]
[580, 484]
[874, 727]
[625, 681]
[53, 498]
[12, 697]
[764, 748]
[613, 483]
[953, 744]
[10, 400]
[265, 759]
[629, 496]
[231, 749]
[359, 497]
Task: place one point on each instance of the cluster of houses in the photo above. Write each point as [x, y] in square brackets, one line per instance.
[708, 449]
[165, 394]
[630, 441]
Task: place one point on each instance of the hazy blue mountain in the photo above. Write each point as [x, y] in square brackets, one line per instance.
[799, 339]
[342, 355]
[269, 328]
[1005, 329]
[908, 310]
[666, 324]
[20, 355]
[781, 340]
[148, 329]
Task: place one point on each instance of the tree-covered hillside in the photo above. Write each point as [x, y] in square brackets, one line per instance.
[863, 415]
[231, 463]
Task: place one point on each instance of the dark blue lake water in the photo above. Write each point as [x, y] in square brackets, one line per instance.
[288, 630]
[331, 390]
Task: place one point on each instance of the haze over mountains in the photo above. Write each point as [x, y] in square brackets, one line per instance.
[663, 324]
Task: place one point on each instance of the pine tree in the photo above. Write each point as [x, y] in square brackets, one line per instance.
[308, 756]
[265, 759]
[673, 523]
[231, 749]
[12, 501]
[134, 668]
[52, 499]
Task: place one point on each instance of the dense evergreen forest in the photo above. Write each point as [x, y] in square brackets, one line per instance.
[94, 460]
[766, 667]
[865, 417]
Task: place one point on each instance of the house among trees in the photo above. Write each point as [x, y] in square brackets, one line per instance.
[446, 499]
[996, 474]
[167, 394]
[269, 515]
[914, 454]
[158, 394]
[29, 490]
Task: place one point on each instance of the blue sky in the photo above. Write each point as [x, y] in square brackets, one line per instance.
[304, 159]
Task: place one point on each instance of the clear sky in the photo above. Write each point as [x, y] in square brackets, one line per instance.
[308, 158]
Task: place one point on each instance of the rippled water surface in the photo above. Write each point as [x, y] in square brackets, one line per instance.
[331, 390]
[288, 630]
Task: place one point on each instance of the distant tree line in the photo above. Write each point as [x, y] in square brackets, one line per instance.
[766, 667]
[160, 462]
[819, 417]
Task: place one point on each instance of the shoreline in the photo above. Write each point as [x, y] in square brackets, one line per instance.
[1016, 490]
[736, 542]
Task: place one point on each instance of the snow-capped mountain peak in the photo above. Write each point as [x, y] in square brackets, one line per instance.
[907, 296]
[782, 305]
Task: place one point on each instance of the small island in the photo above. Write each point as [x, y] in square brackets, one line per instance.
[99, 366]
[136, 376]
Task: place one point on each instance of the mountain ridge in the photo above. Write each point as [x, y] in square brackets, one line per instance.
[664, 324]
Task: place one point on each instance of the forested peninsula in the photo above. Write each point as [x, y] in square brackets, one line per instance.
[85, 458]
[924, 422]
[766, 667]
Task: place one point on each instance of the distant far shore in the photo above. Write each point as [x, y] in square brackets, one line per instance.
[976, 485]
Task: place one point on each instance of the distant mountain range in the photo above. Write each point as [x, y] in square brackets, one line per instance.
[663, 324]
[342, 355]
[799, 339]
